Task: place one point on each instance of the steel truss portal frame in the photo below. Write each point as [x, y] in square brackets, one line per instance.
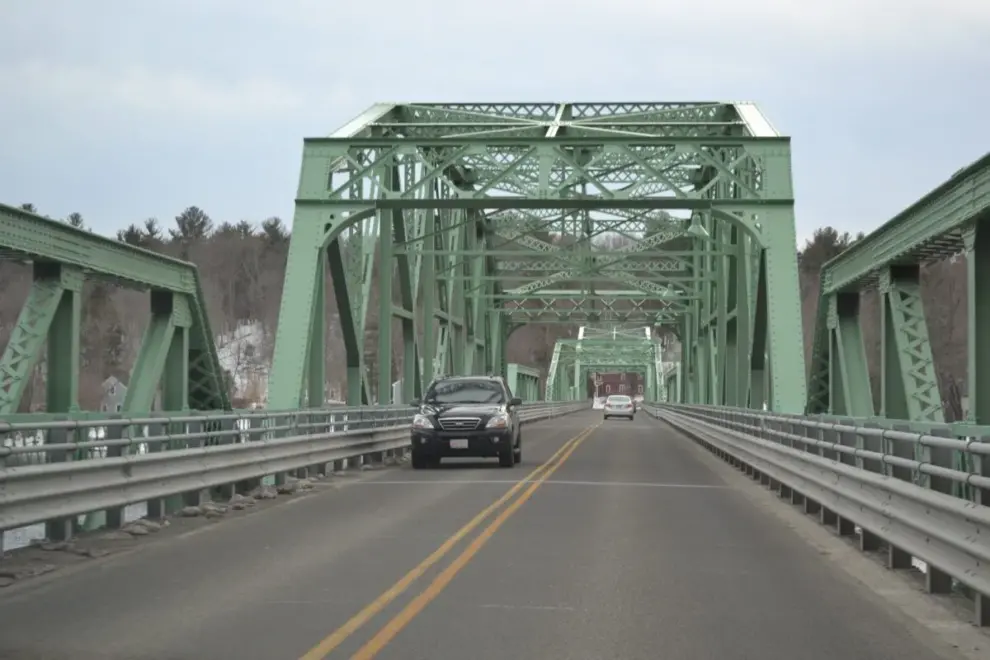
[460, 222]
[616, 349]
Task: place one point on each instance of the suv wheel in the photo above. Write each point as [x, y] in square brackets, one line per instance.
[507, 458]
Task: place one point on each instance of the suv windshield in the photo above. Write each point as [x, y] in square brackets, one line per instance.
[466, 391]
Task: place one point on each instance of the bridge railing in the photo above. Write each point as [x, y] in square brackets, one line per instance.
[924, 495]
[54, 471]
[33, 439]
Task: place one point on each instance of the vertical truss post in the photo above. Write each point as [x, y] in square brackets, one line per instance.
[51, 311]
[62, 381]
[553, 375]
[316, 355]
[740, 325]
[688, 383]
[386, 306]
[849, 377]
[170, 318]
[474, 293]
[428, 298]
[457, 294]
[723, 285]
[785, 348]
[758, 355]
[351, 329]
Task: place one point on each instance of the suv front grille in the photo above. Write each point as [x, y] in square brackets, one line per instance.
[459, 423]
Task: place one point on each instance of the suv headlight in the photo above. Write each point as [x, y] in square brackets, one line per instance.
[422, 422]
[498, 421]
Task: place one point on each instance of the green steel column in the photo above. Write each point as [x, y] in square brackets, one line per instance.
[457, 301]
[349, 324]
[62, 383]
[758, 355]
[785, 343]
[170, 315]
[27, 340]
[849, 376]
[428, 299]
[977, 241]
[386, 266]
[688, 386]
[175, 390]
[407, 278]
[316, 356]
[741, 329]
[723, 284]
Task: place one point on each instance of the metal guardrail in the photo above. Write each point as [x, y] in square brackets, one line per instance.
[35, 439]
[137, 460]
[902, 489]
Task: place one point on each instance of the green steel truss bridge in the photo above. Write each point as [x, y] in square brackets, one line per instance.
[455, 224]
[662, 234]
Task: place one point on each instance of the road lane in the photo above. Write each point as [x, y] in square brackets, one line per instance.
[267, 585]
[635, 549]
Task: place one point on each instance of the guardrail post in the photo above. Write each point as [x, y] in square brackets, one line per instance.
[869, 542]
[59, 529]
[813, 507]
[227, 437]
[255, 426]
[293, 423]
[156, 507]
[981, 466]
[198, 496]
[115, 515]
[848, 440]
[318, 426]
[936, 580]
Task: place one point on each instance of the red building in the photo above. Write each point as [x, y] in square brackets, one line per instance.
[629, 383]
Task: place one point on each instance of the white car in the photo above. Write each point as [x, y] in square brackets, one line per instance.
[619, 405]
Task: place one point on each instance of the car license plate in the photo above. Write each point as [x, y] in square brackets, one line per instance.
[460, 443]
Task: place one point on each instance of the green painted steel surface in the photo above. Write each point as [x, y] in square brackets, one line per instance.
[524, 382]
[469, 220]
[628, 350]
[953, 218]
[177, 354]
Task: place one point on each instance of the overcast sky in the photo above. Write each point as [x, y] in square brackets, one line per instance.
[123, 110]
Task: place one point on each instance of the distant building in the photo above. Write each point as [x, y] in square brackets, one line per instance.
[114, 393]
[629, 383]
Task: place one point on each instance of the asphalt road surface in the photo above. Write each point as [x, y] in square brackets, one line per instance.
[627, 545]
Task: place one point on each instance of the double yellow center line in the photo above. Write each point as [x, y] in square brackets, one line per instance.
[534, 480]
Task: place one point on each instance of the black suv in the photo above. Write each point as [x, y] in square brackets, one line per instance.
[466, 416]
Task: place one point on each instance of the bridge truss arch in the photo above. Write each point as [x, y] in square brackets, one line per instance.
[597, 349]
[439, 227]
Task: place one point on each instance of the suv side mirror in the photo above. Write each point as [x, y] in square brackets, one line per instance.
[515, 401]
[415, 403]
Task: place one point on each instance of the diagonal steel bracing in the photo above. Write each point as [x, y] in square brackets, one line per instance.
[177, 356]
[450, 224]
[953, 218]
